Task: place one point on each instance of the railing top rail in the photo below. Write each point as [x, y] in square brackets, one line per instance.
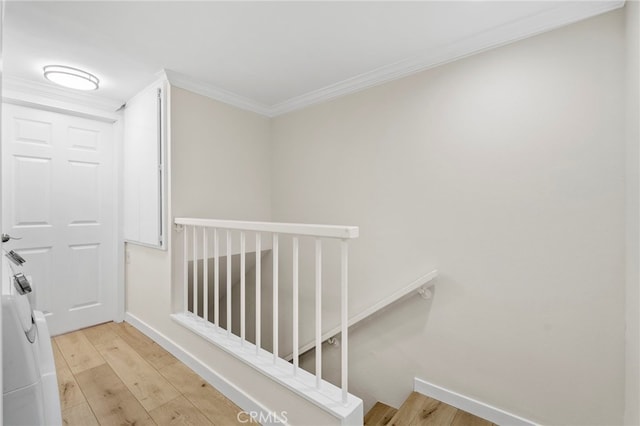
[326, 231]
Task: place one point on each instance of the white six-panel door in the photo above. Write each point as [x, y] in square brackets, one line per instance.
[59, 194]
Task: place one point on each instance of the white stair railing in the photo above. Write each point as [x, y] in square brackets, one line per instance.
[197, 234]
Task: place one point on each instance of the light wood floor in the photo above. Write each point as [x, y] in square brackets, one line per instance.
[111, 374]
[420, 410]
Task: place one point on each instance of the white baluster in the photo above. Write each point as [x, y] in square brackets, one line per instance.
[318, 312]
[216, 279]
[228, 283]
[195, 271]
[296, 347]
[242, 288]
[205, 275]
[258, 291]
[185, 268]
[344, 277]
[275, 297]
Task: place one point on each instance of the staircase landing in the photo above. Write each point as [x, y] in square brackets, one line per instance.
[420, 410]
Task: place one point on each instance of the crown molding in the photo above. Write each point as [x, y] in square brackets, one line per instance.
[564, 14]
[14, 88]
[185, 82]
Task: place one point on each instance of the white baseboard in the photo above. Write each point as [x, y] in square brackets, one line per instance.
[225, 387]
[470, 405]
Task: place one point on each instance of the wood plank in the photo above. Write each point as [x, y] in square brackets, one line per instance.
[57, 356]
[182, 377]
[100, 335]
[110, 400]
[214, 405]
[434, 413]
[462, 418]
[78, 352]
[179, 412]
[379, 415]
[203, 396]
[153, 353]
[80, 415]
[70, 393]
[408, 410]
[144, 381]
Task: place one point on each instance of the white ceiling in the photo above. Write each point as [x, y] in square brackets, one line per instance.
[270, 57]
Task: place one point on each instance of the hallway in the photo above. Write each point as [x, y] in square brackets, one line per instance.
[112, 374]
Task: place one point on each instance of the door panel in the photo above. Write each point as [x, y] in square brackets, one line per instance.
[32, 131]
[59, 196]
[32, 191]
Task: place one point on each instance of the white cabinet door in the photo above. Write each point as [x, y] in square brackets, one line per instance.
[144, 153]
[59, 196]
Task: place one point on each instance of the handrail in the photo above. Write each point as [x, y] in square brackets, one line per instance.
[392, 298]
[327, 231]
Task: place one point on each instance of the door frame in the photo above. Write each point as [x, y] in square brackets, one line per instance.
[19, 94]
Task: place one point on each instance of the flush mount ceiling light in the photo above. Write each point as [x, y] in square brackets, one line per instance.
[72, 78]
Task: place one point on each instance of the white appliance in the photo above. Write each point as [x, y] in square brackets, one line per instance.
[30, 385]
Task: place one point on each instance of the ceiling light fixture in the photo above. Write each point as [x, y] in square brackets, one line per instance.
[72, 78]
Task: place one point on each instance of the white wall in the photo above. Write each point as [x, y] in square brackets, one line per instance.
[632, 296]
[219, 160]
[506, 171]
[220, 168]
